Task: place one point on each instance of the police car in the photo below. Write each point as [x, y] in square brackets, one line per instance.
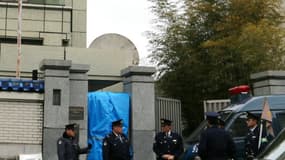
[235, 118]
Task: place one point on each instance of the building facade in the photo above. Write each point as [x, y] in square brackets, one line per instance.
[54, 43]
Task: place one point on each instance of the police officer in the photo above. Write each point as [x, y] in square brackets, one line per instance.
[67, 145]
[168, 145]
[215, 143]
[252, 137]
[116, 145]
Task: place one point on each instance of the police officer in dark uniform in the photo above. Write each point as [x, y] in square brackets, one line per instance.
[116, 145]
[67, 145]
[168, 145]
[252, 137]
[215, 143]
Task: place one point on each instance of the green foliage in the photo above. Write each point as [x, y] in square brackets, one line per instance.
[208, 46]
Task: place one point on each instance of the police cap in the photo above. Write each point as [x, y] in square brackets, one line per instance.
[164, 122]
[212, 115]
[117, 123]
[212, 118]
[252, 116]
[70, 126]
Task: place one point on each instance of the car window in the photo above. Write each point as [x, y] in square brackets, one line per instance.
[238, 127]
[281, 119]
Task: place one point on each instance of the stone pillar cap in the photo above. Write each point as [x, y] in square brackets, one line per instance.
[137, 70]
[268, 75]
[79, 68]
[55, 64]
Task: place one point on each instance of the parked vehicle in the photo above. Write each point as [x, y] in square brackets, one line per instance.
[235, 121]
[276, 149]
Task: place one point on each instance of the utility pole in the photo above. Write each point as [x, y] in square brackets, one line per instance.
[19, 39]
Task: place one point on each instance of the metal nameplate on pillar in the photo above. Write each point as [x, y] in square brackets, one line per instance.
[76, 113]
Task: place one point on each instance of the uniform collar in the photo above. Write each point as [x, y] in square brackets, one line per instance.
[64, 135]
[168, 133]
[116, 134]
[253, 128]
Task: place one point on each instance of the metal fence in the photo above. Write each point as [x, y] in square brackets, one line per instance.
[215, 105]
[170, 109]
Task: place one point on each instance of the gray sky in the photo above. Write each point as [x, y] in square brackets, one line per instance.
[130, 18]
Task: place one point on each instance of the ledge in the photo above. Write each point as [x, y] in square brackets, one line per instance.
[137, 70]
[55, 64]
[268, 75]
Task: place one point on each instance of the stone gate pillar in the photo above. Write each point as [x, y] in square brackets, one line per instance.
[268, 83]
[78, 101]
[56, 103]
[65, 101]
[140, 85]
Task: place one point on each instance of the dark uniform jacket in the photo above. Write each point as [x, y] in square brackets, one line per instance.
[251, 142]
[216, 144]
[168, 144]
[68, 148]
[116, 147]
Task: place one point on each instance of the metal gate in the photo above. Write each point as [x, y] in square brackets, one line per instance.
[215, 105]
[170, 109]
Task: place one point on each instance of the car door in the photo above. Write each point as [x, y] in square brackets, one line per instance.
[238, 130]
[279, 121]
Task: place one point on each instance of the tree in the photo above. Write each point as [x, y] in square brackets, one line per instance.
[207, 46]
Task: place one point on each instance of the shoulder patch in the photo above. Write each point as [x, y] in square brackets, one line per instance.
[105, 143]
[59, 142]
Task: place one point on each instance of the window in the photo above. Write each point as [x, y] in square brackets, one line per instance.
[12, 0]
[25, 40]
[281, 119]
[16, 1]
[239, 127]
[56, 100]
[50, 2]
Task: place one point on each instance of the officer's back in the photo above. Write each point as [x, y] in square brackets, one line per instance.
[215, 143]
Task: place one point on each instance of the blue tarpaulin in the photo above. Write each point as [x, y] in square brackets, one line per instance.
[103, 109]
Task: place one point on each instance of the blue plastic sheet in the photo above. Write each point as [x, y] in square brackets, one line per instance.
[103, 109]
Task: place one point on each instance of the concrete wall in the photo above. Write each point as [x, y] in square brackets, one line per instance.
[104, 64]
[21, 121]
[79, 23]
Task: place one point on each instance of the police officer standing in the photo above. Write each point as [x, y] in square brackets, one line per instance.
[67, 145]
[168, 145]
[116, 145]
[252, 137]
[215, 143]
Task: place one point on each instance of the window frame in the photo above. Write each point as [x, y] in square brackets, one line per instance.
[43, 2]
